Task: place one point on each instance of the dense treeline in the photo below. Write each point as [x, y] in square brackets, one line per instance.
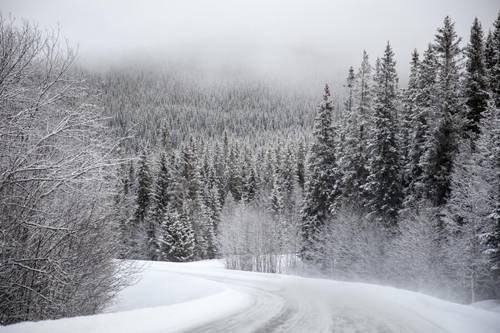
[406, 190]
[390, 185]
[58, 240]
[164, 107]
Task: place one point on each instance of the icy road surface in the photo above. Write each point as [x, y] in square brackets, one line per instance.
[205, 297]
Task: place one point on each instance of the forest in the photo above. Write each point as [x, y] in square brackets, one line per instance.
[374, 182]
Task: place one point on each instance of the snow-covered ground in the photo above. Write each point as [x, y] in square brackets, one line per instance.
[490, 305]
[205, 297]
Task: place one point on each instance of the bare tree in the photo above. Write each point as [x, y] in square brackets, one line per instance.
[57, 241]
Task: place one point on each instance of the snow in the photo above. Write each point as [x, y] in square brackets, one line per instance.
[161, 301]
[158, 287]
[489, 305]
[205, 297]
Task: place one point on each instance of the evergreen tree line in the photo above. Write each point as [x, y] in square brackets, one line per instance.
[388, 185]
[170, 204]
[415, 171]
[157, 106]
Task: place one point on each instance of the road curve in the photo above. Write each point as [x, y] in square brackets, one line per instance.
[292, 304]
[203, 297]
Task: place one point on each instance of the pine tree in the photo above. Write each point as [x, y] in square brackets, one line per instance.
[494, 72]
[277, 198]
[423, 119]
[215, 210]
[476, 83]
[203, 227]
[448, 55]
[350, 89]
[489, 54]
[408, 120]
[353, 162]
[160, 199]
[235, 182]
[191, 170]
[219, 165]
[249, 179]
[139, 227]
[143, 190]
[384, 179]
[301, 157]
[124, 205]
[176, 189]
[442, 146]
[362, 89]
[353, 157]
[322, 188]
[288, 176]
[177, 236]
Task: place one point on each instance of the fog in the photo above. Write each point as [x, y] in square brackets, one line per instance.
[286, 41]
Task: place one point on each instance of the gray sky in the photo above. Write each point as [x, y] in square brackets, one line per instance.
[287, 40]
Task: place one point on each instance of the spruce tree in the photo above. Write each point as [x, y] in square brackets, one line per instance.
[476, 84]
[322, 188]
[409, 116]
[288, 176]
[423, 119]
[249, 179]
[215, 210]
[191, 170]
[494, 72]
[353, 158]
[441, 147]
[235, 182]
[350, 89]
[143, 190]
[489, 54]
[384, 179]
[219, 166]
[300, 167]
[363, 89]
[160, 199]
[177, 236]
[448, 55]
[124, 199]
[176, 188]
[277, 198]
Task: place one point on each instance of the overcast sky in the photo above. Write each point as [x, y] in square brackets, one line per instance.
[287, 40]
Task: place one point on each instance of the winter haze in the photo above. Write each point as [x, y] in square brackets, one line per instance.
[289, 41]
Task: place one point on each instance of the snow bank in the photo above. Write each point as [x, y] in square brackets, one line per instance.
[161, 301]
[158, 286]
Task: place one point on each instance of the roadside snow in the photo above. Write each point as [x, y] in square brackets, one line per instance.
[205, 297]
[489, 305]
[161, 301]
[158, 287]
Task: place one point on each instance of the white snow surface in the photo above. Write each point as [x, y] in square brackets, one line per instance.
[490, 305]
[205, 297]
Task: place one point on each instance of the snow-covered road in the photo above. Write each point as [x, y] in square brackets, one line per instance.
[205, 297]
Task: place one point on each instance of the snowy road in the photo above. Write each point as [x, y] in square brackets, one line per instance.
[292, 304]
[204, 297]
